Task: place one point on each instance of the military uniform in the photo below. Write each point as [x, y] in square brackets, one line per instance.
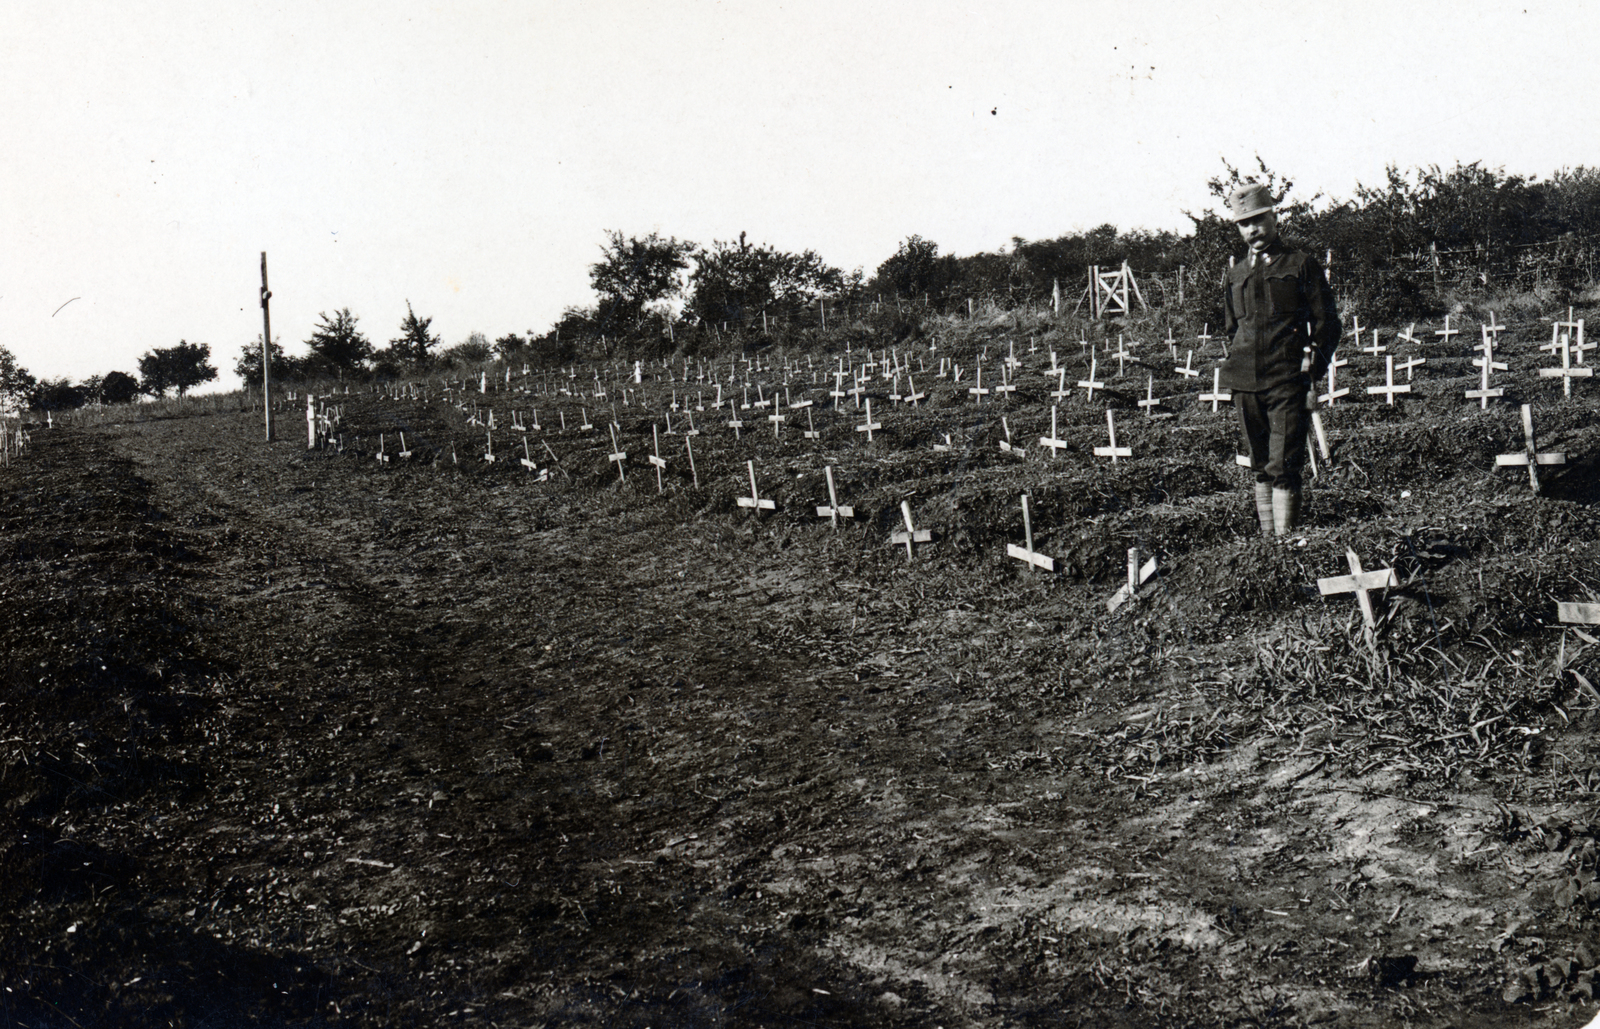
[1279, 310]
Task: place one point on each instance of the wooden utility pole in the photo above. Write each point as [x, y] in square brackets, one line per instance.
[266, 349]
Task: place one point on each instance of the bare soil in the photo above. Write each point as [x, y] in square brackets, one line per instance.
[299, 737]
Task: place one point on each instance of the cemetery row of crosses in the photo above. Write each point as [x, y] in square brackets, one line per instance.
[1036, 401]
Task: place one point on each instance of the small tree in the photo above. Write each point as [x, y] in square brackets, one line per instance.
[472, 350]
[411, 348]
[248, 367]
[176, 368]
[15, 380]
[735, 282]
[635, 273]
[511, 344]
[56, 395]
[118, 388]
[337, 343]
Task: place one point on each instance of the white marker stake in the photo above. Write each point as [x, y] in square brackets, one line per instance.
[1113, 451]
[977, 390]
[383, 458]
[488, 453]
[912, 534]
[617, 454]
[1446, 332]
[527, 458]
[1027, 554]
[690, 451]
[405, 452]
[1138, 575]
[755, 501]
[1334, 393]
[1188, 370]
[1529, 456]
[1567, 372]
[811, 429]
[1487, 364]
[834, 510]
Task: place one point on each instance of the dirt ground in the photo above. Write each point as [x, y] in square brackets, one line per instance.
[297, 737]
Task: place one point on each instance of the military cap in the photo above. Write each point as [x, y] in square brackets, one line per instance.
[1249, 200]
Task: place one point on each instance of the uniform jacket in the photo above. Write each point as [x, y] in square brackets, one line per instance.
[1273, 311]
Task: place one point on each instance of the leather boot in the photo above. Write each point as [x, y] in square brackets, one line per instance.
[1264, 507]
[1285, 510]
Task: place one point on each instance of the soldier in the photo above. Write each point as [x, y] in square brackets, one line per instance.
[1285, 326]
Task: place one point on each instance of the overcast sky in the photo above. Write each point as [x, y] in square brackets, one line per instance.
[468, 156]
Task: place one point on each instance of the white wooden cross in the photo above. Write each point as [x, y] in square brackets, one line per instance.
[382, 456]
[912, 534]
[1027, 554]
[656, 458]
[1445, 333]
[688, 449]
[1060, 392]
[811, 431]
[1529, 457]
[837, 393]
[1408, 336]
[943, 448]
[1488, 365]
[869, 425]
[913, 396]
[1092, 383]
[755, 500]
[1411, 363]
[777, 418]
[1359, 582]
[1577, 613]
[1113, 451]
[1334, 393]
[405, 452]
[1493, 328]
[1216, 396]
[1375, 349]
[586, 426]
[834, 510]
[1188, 370]
[526, 460]
[1204, 338]
[1006, 385]
[311, 422]
[617, 454]
[1151, 401]
[857, 390]
[1005, 444]
[1390, 389]
[1138, 574]
[1053, 441]
[691, 430]
[978, 391]
[795, 405]
[734, 421]
[1567, 372]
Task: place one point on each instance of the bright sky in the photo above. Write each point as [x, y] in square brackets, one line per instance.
[468, 156]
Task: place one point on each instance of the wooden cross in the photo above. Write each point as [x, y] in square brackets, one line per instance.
[1151, 401]
[1408, 336]
[1334, 393]
[978, 391]
[1575, 613]
[834, 510]
[1005, 444]
[1359, 582]
[1060, 392]
[1488, 364]
[527, 458]
[869, 425]
[617, 454]
[856, 391]
[1138, 574]
[1216, 396]
[837, 393]
[690, 451]
[1445, 333]
[762, 403]
[1390, 389]
[912, 534]
[796, 404]
[1567, 372]
[1188, 370]
[811, 429]
[1006, 385]
[586, 426]
[1027, 555]
[1355, 327]
[405, 453]
[755, 500]
[1203, 337]
[656, 458]
[1053, 441]
[1091, 383]
[383, 458]
[777, 418]
[691, 430]
[913, 396]
[734, 421]
[1411, 363]
[1529, 456]
[1113, 451]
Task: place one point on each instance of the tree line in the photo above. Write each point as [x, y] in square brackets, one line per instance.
[1404, 247]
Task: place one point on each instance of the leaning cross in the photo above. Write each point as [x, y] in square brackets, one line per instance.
[1529, 456]
[1138, 575]
[1027, 554]
[1359, 582]
[755, 500]
[834, 510]
[912, 533]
